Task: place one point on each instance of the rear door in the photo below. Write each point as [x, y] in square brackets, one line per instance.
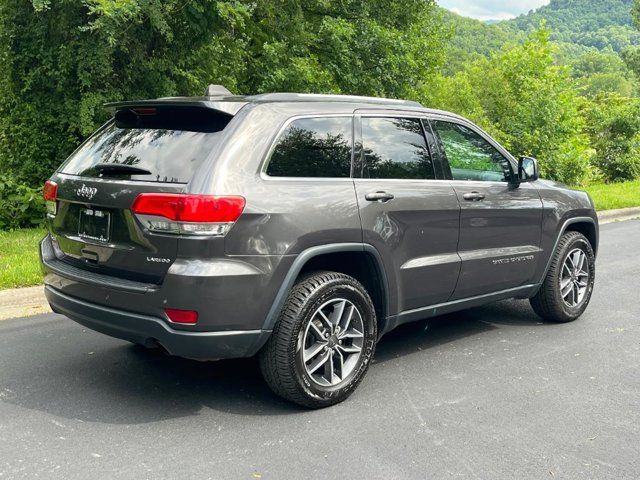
[500, 223]
[408, 214]
[146, 149]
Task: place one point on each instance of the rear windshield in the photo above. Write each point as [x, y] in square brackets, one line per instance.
[163, 145]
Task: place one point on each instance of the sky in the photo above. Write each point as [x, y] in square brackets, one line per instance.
[491, 9]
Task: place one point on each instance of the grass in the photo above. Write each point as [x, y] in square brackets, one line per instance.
[20, 267]
[615, 195]
[19, 264]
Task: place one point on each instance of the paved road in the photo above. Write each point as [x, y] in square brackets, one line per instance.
[489, 393]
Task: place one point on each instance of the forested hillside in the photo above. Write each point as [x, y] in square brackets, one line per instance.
[560, 83]
[576, 26]
[590, 23]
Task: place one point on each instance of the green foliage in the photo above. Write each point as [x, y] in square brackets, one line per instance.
[571, 103]
[602, 72]
[609, 196]
[63, 60]
[19, 263]
[614, 128]
[527, 102]
[589, 23]
[472, 39]
[20, 205]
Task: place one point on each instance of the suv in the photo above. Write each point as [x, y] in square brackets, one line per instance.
[302, 228]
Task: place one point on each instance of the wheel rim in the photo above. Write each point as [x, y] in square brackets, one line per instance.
[331, 344]
[574, 279]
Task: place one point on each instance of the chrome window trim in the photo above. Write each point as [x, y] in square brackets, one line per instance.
[403, 180]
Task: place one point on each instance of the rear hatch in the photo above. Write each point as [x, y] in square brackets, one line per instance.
[143, 149]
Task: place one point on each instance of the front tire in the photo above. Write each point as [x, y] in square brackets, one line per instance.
[323, 342]
[567, 288]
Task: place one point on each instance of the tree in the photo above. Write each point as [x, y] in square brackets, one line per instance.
[63, 59]
[527, 102]
[614, 129]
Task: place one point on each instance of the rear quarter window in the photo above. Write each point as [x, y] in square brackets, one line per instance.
[169, 144]
[318, 147]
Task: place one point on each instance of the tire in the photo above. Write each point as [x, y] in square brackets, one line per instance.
[549, 302]
[301, 330]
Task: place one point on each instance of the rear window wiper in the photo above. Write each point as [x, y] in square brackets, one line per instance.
[119, 169]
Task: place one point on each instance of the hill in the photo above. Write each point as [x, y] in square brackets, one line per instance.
[578, 26]
[601, 24]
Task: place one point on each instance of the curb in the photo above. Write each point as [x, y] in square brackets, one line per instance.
[610, 216]
[23, 302]
[26, 302]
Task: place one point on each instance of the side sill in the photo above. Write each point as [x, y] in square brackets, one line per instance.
[424, 313]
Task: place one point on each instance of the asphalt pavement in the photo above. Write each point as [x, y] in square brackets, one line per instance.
[488, 393]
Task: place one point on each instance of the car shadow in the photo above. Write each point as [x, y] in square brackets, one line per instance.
[423, 335]
[124, 384]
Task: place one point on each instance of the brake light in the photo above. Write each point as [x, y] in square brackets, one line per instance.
[50, 194]
[145, 111]
[188, 214]
[185, 317]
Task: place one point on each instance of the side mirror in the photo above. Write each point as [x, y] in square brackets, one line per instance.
[527, 169]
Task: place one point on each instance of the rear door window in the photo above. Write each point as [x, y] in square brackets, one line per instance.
[395, 148]
[163, 144]
[317, 147]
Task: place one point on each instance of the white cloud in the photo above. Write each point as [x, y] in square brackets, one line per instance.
[491, 9]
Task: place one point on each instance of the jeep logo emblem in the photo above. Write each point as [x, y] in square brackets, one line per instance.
[86, 192]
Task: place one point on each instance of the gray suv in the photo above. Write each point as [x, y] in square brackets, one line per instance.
[302, 228]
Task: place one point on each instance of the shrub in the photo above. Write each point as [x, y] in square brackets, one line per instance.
[613, 125]
[20, 205]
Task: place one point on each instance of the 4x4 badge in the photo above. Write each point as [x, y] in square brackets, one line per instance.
[86, 192]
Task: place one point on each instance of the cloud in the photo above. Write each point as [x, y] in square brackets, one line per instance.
[491, 9]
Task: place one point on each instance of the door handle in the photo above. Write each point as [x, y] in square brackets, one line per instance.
[473, 196]
[379, 197]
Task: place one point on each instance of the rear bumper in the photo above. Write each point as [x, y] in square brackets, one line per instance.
[230, 294]
[148, 330]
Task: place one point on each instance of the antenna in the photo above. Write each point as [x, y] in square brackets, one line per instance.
[217, 91]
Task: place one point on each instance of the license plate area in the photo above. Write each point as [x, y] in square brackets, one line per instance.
[94, 224]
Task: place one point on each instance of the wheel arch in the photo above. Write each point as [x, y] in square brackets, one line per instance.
[588, 226]
[588, 229]
[359, 260]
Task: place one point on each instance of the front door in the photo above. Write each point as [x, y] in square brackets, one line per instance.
[407, 214]
[500, 221]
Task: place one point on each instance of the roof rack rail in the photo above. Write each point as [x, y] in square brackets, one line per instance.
[217, 91]
[287, 97]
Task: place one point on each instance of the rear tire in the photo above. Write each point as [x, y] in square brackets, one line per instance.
[323, 342]
[567, 288]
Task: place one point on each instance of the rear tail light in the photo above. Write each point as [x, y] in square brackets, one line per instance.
[50, 194]
[188, 214]
[185, 317]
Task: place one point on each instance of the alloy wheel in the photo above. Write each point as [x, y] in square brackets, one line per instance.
[331, 344]
[574, 279]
